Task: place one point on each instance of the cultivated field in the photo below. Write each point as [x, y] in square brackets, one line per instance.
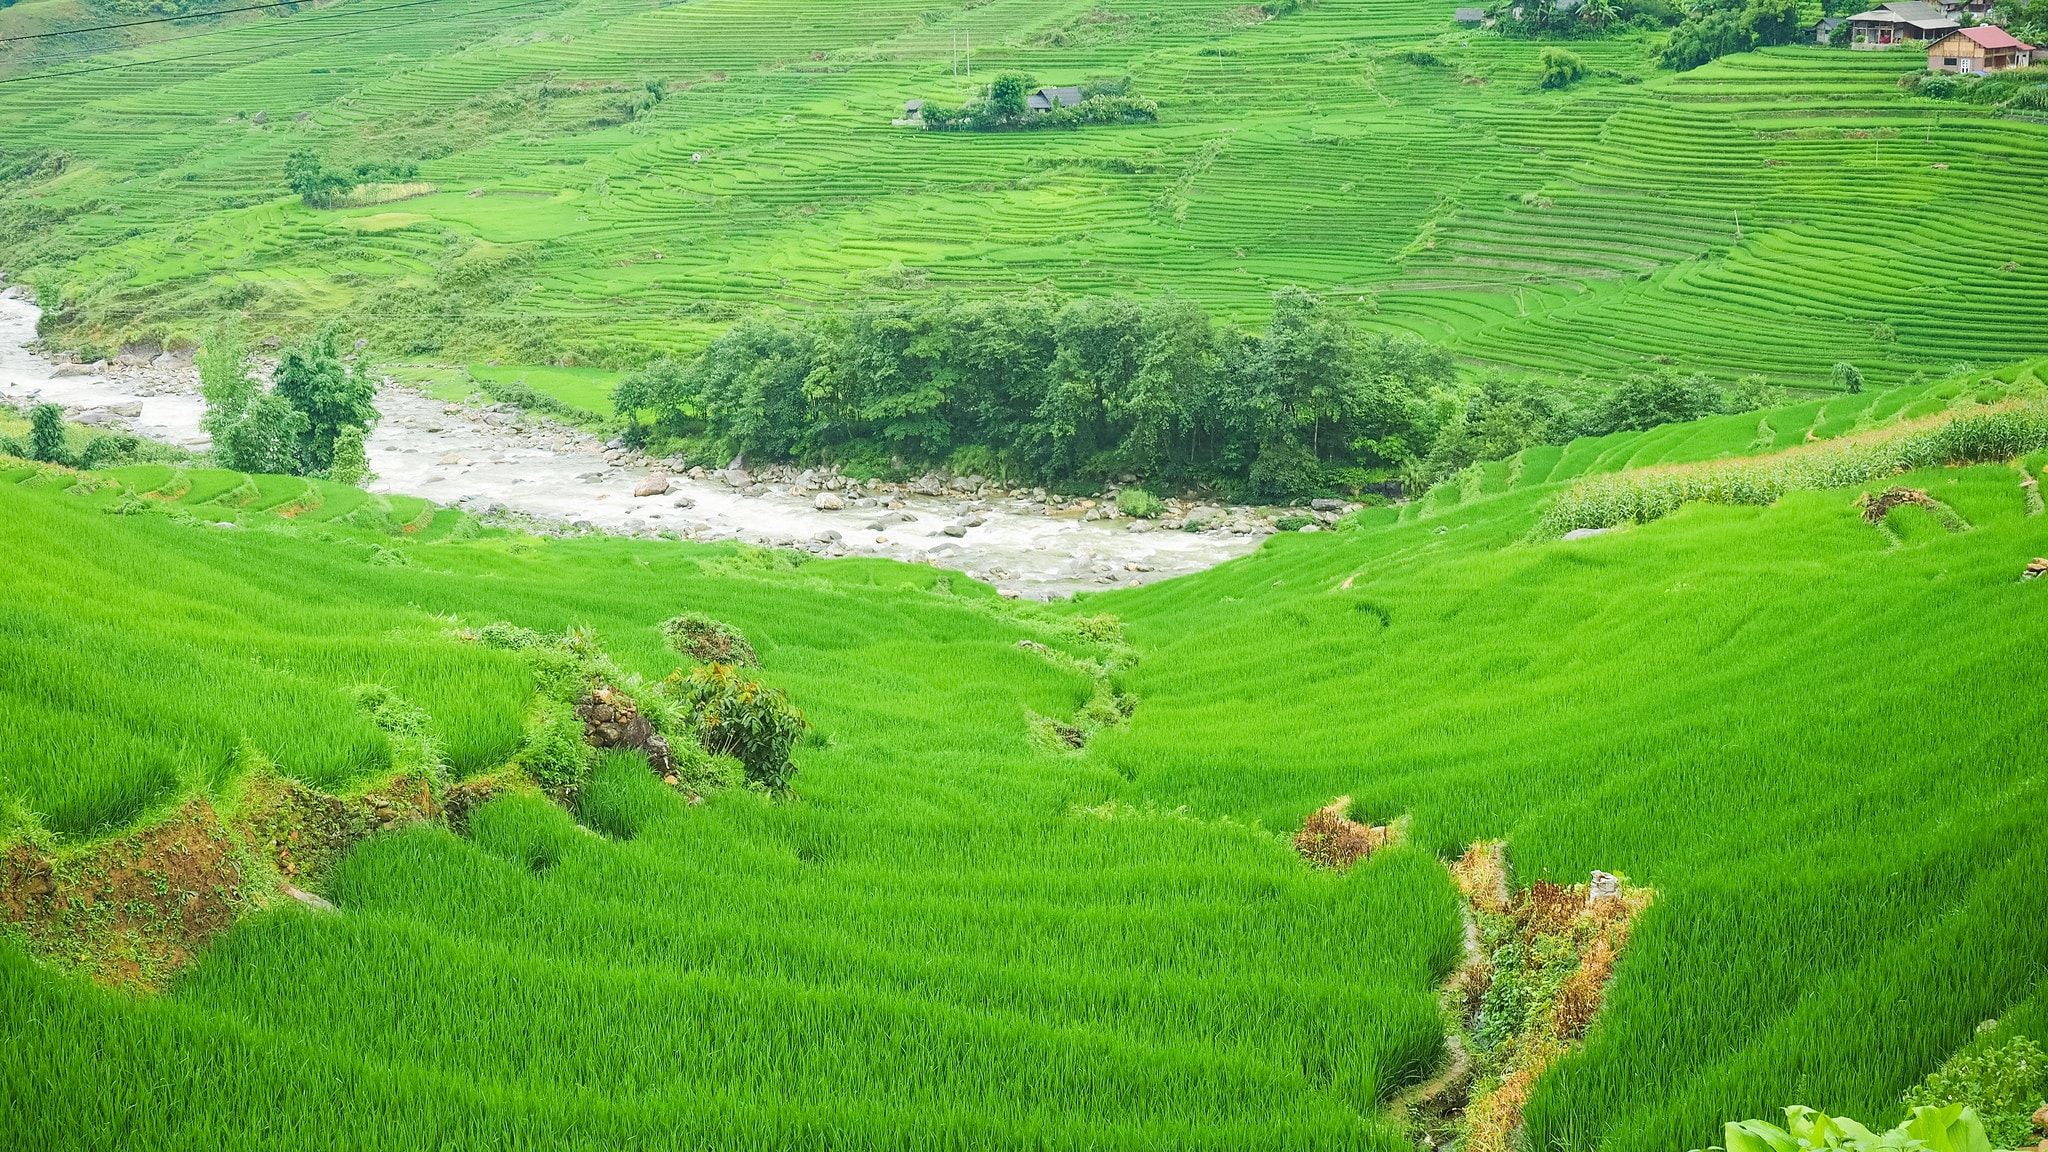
[1813, 735]
[1772, 212]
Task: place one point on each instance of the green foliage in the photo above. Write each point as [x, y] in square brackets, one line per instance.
[2004, 1083]
[704, 640]
[1558, 68]
[1752, 393]
[1623, 497]
[740, 718]
[46, 434]
[1058, 390]
[1847, 377]
[330, 395]
[1647, 399]
[1951, 1129]
[622, 797]
[1139, 503]
[351, 465]
[304, 175]
[554, 752]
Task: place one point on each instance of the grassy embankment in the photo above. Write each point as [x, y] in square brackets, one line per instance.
[1813, 737]
[1589, 230]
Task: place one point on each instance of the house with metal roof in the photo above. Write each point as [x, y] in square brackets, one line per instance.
[1984, 48]
[1047, 99]
[1824, 32]
[1469, 17]
[1899, 22]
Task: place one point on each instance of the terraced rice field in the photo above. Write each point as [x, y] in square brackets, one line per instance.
[1765, 213]
[1813, 736]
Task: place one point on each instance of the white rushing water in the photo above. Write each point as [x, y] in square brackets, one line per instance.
[486, 460]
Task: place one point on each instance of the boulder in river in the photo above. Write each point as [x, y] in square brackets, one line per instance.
[656, 485]
[828, 502]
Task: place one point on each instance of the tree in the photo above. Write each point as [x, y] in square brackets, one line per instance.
[1706, 37]
[315, 185]
[1646, 400]
[331, 395]
[46, 434]
[1847, 376]
[1561, 69]
[351, 464]
[1006, 96]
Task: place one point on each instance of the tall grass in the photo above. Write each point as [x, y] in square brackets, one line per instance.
[1641, 495]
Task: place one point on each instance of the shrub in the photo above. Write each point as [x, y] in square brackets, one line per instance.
[554, 753]
[2004, 1084]
[1752, 393]
[1645, 400]
[708, 641]
[46, 434]
[1139, 503]
[1847, 377]
[740, 718]
[351, 464]
[1561, 69]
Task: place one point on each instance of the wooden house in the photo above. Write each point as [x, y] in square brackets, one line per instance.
[1900, 22]
[1047, 99]
[1984, 48]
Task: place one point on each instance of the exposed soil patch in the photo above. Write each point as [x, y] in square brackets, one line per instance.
[135, 910]
[1536, 969]
[1875, 507]
[611, 720]
[132, 911]
[1329, 839]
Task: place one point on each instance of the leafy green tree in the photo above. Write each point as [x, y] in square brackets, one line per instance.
[1847, 376]
[1006, 95]
[351, 463]
[332, 396]
[1561, 69]
[1752, 393]
[1706, 37]
[46, 434]
[1647, 399]
[315, 185]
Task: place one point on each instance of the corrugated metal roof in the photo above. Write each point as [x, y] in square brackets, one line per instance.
[1992, 36]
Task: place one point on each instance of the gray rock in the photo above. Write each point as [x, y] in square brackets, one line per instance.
[828, 502]
[954, 530]
[1605, 886]
[1139, 526]
[1580, 533]
[685, 502]
[656, 485]
[1326, 505]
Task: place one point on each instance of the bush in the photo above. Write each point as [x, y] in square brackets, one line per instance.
[1752, 393]
[554, 753]
[351, 464]
[1847, 377]
[2004, 1084]
[1952, 1129]
[1139, 503]
[1645, 400]
[1561, 69]
[46, 434]
[740, 718]
[708, 641]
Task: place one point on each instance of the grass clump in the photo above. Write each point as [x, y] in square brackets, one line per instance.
[1138, 503]
[707, 641]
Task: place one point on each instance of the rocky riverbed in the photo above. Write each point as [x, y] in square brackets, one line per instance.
[503, 464]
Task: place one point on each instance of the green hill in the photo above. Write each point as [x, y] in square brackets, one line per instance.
[1813, 735]
[1771, 212]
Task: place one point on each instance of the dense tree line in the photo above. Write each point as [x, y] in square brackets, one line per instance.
[1073, 392]
[1717, 28]
[310, 421]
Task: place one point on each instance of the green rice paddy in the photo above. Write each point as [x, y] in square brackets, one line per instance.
[1815, 737]
[1766, 213]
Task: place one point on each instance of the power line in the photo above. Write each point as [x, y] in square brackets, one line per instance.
[276, 43]
[157, 20]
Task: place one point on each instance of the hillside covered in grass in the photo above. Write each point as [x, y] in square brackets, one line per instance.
[1808, 731]
[601, 181]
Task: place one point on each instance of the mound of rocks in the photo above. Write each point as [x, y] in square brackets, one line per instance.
[611, 720]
